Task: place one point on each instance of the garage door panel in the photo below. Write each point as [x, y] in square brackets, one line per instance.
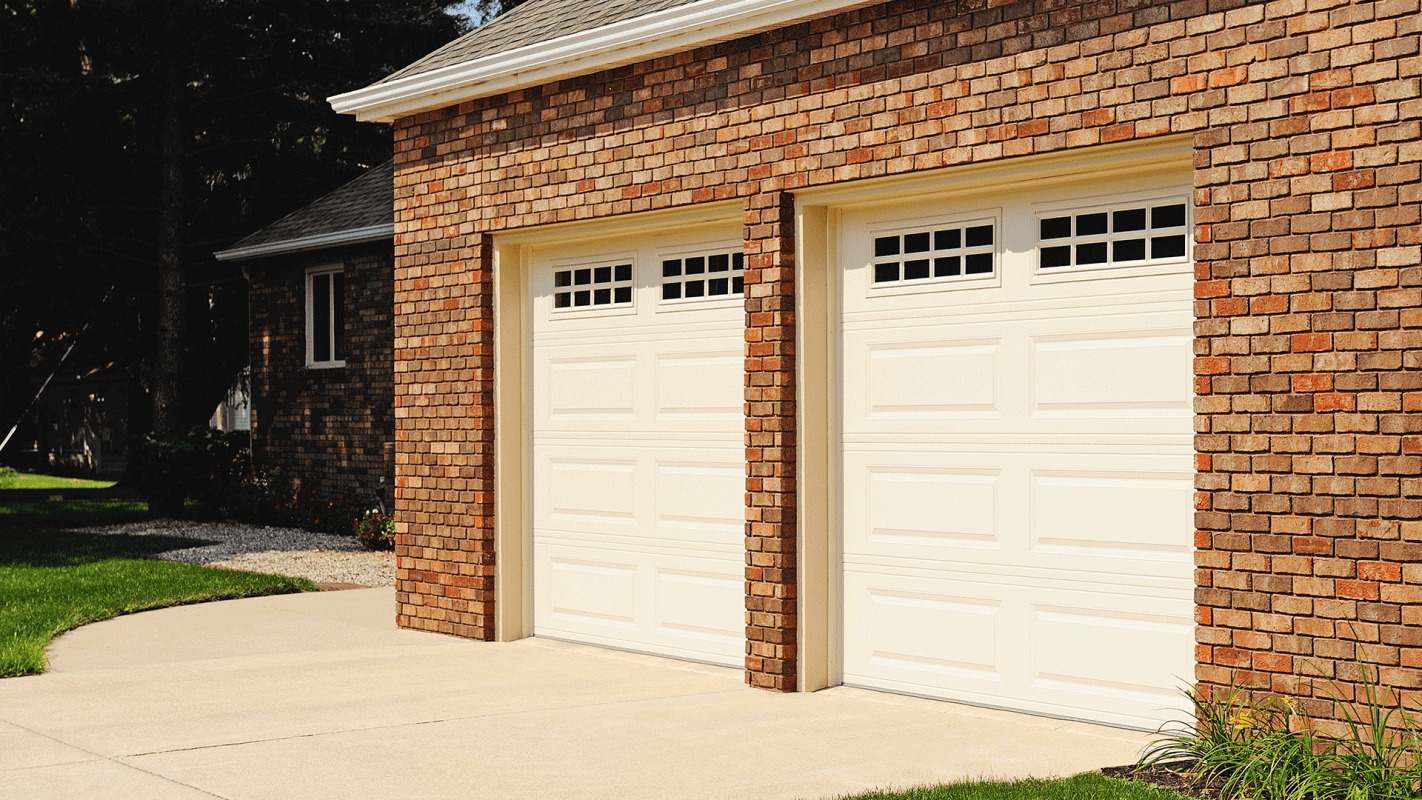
[1107, 654]
[635, 596]
[705, 386]
[943, 379]
[698, 496]
[638, 458]
[1109, 515]
[1113, 375]
[1016, 465]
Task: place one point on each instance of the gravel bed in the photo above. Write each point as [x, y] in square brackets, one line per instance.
[318, 557]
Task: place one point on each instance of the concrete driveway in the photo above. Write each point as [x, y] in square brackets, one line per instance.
[320, 696]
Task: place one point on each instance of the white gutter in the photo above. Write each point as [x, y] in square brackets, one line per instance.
[639, 39]
[352, 236]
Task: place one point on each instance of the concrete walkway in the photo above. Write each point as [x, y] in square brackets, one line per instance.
[320, 696]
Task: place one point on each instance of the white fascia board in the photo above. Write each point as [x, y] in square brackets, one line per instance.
[317, 242]
[639, 39]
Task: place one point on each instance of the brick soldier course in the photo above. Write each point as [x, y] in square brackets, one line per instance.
[1305, 122]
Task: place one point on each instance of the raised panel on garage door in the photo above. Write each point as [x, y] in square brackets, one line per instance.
[1016, 451]
[638, 461]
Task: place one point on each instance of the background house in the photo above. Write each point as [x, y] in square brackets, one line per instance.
[321, 382]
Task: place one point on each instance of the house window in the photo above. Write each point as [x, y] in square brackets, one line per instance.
[325, 317]
[947, 253]
[1139, 233]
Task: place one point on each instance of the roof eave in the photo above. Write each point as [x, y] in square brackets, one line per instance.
[671, 31]
[321, 241]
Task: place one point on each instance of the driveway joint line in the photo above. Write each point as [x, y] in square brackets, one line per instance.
[393, 726]
[119, 760]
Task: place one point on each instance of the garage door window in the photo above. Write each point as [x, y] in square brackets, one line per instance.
[939, 254]
[1139, 233]
[593, 287]
[715, 275]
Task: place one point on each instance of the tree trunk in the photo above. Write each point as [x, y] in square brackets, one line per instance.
[168, 364]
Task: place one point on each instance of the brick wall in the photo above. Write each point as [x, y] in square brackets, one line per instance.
[1305, 118]
[331, 429]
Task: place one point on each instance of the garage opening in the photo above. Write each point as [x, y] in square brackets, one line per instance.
[1014, 437]
[638, 473]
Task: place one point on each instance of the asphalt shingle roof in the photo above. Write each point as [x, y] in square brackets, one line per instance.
[365, 202]
[533, 22]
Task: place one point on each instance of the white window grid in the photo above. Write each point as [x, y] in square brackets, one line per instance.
[593, 287]
[964, 250]
[1124, 234]
[325, 317]
[702, 277]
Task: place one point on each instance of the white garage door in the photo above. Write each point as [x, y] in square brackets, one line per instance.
[1017, 469]
[639, 462]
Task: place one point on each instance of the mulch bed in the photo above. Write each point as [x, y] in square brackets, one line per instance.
[1179, 782]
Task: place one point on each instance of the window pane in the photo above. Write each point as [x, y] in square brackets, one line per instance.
[672, 268]
[943, 267]
[1056, 228]
[1090, 224]
[979, 263]
[671, 291]
[914, 270]
[718, 286]
[602, 275]
[884, 273]
[1131, 219]
[321, 317]
[582, 298]
[624, 294]
[602, 297]
[886, 246]
[738, 285]
[338, 325]
[624, 272]
[1167, 246]
[719, 263]
[1167, 216]
[564, 278]
[582, 277]
[980, 236]
[695, 266]
[916, 243]
[695, 288]
[1128, 249]
[562, 300]
[1094, 253]
[1056, 256]
[947, 240]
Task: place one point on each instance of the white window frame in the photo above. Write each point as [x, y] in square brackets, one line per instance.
[311, 273]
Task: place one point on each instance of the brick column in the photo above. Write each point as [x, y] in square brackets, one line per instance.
[444, 412]
[770, 441]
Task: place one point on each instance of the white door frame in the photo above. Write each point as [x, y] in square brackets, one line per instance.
[513, 388]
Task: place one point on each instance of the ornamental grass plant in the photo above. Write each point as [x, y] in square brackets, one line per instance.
[1270, 749]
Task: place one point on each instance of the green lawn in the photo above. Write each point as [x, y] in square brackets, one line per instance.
[1078, 787]
[53, 580]
[25, 480]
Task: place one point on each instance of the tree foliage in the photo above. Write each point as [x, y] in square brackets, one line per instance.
[239, 86]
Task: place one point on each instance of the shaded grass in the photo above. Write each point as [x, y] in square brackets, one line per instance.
[54, 580]
[1088, 786]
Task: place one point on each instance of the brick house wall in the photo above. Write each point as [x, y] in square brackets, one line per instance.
[1305, 119]
[332, 429]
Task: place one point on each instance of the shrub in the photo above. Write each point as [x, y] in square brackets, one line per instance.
[8, 477]
[199, 464]
[376, 530]
[1270, 749]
